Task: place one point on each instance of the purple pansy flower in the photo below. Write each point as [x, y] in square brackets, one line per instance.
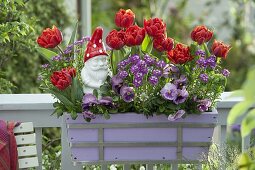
[161, 64]
[149, 60]
[225, 72]
[153, 80]
[88, 114]
[203, 77]
[174, 68]
[117, 83]
[182, 81]
[204, 105]
[177, 115]
[169, 91]
[127, 93]
[182, 95]
[134, 58]
[88, 100]
[106, 101]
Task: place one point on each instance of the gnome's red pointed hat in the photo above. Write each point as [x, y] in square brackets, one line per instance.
[95, 46]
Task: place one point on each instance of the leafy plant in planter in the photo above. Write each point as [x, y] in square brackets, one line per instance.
[149, 72]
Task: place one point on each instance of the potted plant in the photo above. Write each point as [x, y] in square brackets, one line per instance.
[146, 93]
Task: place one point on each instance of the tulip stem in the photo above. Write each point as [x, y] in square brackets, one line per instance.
[206, 50]
[60, 50]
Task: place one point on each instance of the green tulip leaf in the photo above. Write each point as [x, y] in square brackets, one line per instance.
[238, 110]
[47, 54]
[147, 44]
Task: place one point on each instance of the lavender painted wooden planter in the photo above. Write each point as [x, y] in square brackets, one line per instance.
[132, 138]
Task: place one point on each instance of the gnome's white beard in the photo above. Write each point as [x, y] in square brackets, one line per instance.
[94, 74]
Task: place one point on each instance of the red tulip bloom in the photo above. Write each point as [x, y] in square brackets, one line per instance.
[134, 35]
[201, 34]
[219, 49]
[50, 38]
[168, 44]
[180, 54]
[70, 71]
[115, 39]
[61, 79]
[124, 18]
[158, 45]
[155, 27]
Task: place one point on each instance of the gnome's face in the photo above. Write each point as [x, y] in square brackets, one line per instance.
[97, 68]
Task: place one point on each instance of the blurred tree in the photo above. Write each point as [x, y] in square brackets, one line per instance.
[22, 61]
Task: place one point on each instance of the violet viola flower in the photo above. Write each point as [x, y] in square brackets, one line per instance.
[169, 91]
[123, 64]
[225, 72]
[88, 114]
[200, 53]
[204, 77]
[134, 58]
[106, 101]
[177, 115]
[127, 93]
[117, 83]
[88, 100]
[161, 64]
[182, 95]
[56, 58]
[122, 74]
[137, 82]
[86, 38]
[149, 60]
[182, 81]
[157, 73]
[204, 105]
[201, 62]
[45, 66]
[134, 69]
[153, 80]
[211, 61]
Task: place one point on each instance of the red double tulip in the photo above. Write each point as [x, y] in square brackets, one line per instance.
[115, 39]
[168, 44]
[134, 35]
[163, 44]
[70, 70]
[124, 18]
[219, 49]
[155, 27]
[61, 79]
[201, 34]
[180, 54]
[50, 38]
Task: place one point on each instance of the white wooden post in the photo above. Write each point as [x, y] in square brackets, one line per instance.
[86, 17]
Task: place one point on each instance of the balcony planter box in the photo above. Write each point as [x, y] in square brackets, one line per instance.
[132, 138]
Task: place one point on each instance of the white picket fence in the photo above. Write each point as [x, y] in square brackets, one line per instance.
[37, 108]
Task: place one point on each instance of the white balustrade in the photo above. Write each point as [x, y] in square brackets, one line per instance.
[37, 108]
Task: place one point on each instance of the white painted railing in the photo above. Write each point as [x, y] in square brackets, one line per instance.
[37, 108]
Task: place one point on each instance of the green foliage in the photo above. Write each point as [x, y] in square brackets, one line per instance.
[32, 16]
[6, 86]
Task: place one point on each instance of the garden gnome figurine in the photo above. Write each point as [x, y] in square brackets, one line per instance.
[95, 70]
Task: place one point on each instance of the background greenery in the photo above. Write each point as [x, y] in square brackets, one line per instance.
[21, 21]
